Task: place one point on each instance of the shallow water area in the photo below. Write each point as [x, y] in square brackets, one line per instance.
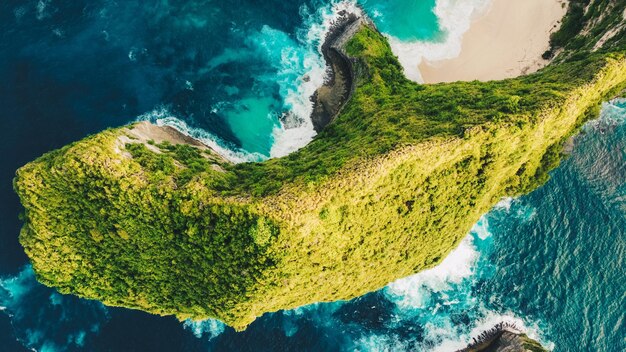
[406, 20]
[424, 30]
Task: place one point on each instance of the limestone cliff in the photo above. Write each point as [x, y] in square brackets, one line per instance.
[503, 337]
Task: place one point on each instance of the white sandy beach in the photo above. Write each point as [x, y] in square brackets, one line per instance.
[507, 41]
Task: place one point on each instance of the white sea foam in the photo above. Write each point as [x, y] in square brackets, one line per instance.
[415, 291]
[301, 70]
[296, 130]
[504, 203]
[444, 337]
[613, 114]
[455, 342]
[432, 297]
[321, 22]
[210, 328]
[455, 17]
[293, 63]
[481, 228]
[162, 117]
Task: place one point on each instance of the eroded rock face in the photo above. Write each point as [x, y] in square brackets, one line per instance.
[505, 341]
[336, 91]
[503, 337]
[512, 342]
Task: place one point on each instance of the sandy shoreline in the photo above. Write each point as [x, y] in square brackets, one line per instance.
[507, 41]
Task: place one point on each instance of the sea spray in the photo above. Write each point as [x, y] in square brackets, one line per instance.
[43, 319]
[441, 309]
[299, 71]
[442, 303]
[454, 19]
[613, 114]
[162, 117]
[415, 291]
[296, 128]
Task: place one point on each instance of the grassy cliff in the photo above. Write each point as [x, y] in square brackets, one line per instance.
[388, 189]
[589, 26]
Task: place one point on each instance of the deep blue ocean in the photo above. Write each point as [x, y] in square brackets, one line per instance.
[238, 75]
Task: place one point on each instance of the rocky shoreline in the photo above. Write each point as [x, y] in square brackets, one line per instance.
[504, 337]
[342, 72]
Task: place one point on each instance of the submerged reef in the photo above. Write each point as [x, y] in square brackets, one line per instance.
[145, 218]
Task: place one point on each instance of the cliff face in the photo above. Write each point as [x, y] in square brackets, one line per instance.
[343, 71]
[507, 341]
[503, 337]
[387, 189]
[512, 342]
[589, 26]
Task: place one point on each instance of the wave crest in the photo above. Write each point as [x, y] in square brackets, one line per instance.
[455, 18]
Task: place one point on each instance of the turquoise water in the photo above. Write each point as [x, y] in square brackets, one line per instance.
[407, 20]
[552, 262]
[284, 68]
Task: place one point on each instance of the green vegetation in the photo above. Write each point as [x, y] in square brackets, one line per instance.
[505, 341]
[386, 190]
[532, 345]
[587, 23]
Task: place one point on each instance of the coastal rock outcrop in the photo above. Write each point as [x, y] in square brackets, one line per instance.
[503, 337]
[134, 218]
[514, 342]
[340, 83]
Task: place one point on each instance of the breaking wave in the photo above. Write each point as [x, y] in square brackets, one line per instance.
[296, 128]
[437, 299]
[207, 328]
[162, 117]
[299, 70]
[44, 320]
[454, 18]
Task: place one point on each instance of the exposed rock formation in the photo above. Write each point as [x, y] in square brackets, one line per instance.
[339, 86]
[504, 337]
